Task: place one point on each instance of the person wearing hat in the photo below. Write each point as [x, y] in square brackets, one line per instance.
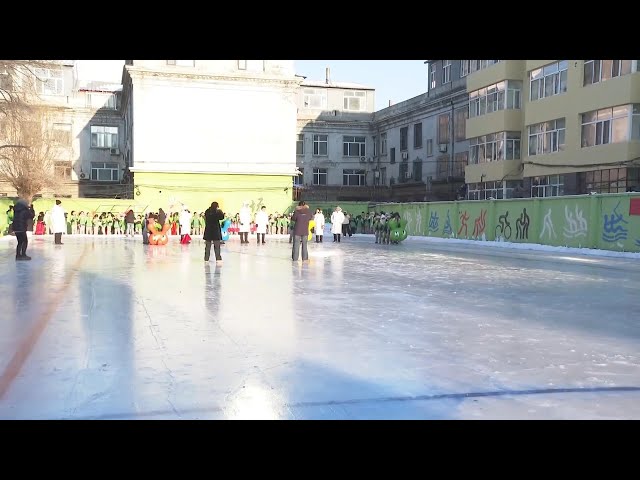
[245, 222]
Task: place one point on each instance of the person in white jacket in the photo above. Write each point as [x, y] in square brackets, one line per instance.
[245, 222]
[262, 222]
[337, 217]
[318, 218]
[58, 222]
[185, 223]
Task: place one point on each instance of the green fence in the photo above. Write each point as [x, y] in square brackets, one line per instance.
[608, 222]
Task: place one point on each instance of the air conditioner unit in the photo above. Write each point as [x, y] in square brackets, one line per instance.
[370, 159]
[376, 174]
[405, 155]
[114, 151]
[443, 147]
[407, 175]
[363, 159]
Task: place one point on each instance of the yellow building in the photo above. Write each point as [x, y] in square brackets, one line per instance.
[546, 128]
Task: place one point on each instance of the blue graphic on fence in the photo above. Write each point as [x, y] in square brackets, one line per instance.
[447, 230]
[433, 222]
[612, 230]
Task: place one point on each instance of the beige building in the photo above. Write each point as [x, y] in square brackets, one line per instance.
[553, 127]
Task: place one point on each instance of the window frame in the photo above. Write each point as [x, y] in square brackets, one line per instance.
[446, 71]
[542, 134]
[354, 141]
[349, 173]
[114, 144]
[300, 144]
[114, 167]
[310, 94]
[319, 173]
[540, 75]
[417, 135]
[317, 143]
[348, 95]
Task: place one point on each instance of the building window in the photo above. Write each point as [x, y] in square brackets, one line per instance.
[404, 139]
[417, 135]
[300, 144]
[548, 81]
[549, 186]
[104, 137]
[546, 137]
[319, 176]
[499, 96]
[446, 71]
[460, 124]
[443, 128]
[392, 155]
[432, 75]
[464, 68]
[460, 161]
[417, 170]
[355, 101]
[62, 170]
[101, 100]
[383, 176]
[484, 190]
[315, 98]
[403, 174]
[475, 65]
[353, 178]
[242, 64]
[608, 125]
[375, 146]
[104, 172]
[596, 71]
[353, 146]
[430, 147]
[6, 82]
[62, 133]
[49, 81]
[614, 180]
[182, 63]
[494, 147]
[442, 167]
[320, 145]
[298, 180]
[383, 144]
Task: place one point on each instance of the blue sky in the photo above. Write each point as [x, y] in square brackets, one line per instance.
[394, 80]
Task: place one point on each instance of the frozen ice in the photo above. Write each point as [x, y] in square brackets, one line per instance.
[106, 328]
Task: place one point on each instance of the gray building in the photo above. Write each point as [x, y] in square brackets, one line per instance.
[86, 125]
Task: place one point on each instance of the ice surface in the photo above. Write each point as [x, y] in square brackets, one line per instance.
[109, 328]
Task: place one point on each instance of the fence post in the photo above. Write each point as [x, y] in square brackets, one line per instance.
[594, 217]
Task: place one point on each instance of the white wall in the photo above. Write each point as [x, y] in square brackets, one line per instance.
[213, 127]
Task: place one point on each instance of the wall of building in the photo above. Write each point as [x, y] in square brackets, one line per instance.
[608, 222]
[239, 127]
[170, 190]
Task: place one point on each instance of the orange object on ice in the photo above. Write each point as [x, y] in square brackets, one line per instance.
[158, 237]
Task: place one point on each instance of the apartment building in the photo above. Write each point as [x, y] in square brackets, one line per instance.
[540, 128]
[334, 146]
[86, 126]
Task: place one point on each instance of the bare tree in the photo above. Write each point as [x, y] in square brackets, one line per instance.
[27, 146]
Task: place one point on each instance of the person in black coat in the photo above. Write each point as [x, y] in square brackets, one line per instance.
[23, 213]
[212, 231]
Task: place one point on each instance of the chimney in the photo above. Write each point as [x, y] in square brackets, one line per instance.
[389, 102]
[328, 76]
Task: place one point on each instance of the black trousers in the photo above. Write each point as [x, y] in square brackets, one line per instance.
[216, 249]
[57, 238]
[23, 241]
[260, 237]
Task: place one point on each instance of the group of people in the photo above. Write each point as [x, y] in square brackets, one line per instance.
[22, 222]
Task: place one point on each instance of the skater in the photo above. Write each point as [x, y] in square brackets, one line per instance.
[145, 229]
[262, 221]
[130, 218]
[319, 228]
[185, 226]
[58, 222]
[337, 217]
[212, 232]
[301, 218]
[10, 217]
[22, 213]
[245, 222]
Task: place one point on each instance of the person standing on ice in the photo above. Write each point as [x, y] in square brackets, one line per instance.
[301, 218]
[262, 221]
[58, 222]
[337, 217]
[185, 223]
[212, 231]
[245, 222]
[318, 219]
[22, 213]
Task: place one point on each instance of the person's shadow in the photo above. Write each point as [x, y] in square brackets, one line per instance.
[212, 289]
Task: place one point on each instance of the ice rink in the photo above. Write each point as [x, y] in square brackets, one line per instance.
[106, 328]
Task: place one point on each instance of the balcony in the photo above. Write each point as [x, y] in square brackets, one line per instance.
[504, 70]
[493, 171]
[500, 121]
